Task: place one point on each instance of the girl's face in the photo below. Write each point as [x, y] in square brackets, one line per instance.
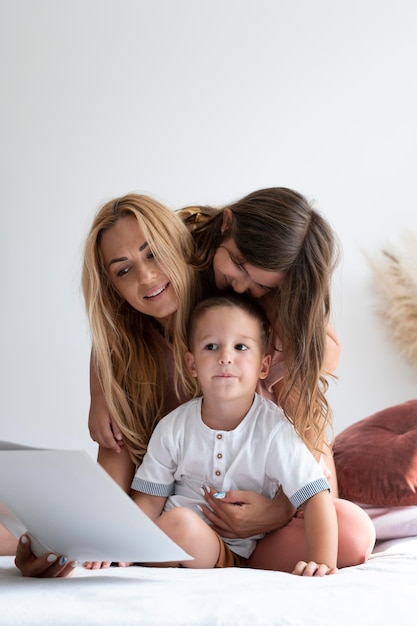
[134, 271]
[232, 271]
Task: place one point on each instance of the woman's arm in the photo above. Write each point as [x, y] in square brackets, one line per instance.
[102, 428]
[119, 465]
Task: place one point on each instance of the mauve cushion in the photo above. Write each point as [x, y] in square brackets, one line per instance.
[376, 458]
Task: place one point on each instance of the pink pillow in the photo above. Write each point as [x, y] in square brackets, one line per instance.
[376, 458]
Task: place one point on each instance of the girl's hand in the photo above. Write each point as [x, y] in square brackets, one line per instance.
[246, 513]
[46, 566]
[102, 428]
[313, 569]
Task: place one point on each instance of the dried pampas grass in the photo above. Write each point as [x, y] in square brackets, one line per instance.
[396, 279]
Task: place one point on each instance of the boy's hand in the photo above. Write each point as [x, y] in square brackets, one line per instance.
[313, 569]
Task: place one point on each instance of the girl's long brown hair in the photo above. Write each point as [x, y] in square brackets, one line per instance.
[277, 229]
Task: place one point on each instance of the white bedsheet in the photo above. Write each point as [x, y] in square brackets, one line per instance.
[383, 591]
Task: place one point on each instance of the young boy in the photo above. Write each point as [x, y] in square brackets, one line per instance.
[231, 438]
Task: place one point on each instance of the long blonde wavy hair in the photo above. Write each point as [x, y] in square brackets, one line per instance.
[277, 229]
[128, 357]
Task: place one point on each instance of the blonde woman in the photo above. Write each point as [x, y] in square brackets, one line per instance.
[139, 289]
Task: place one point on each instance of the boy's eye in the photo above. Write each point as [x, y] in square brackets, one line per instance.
[241, 346]
[211, 346]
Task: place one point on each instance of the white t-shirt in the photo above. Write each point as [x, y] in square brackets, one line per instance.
[263, 453]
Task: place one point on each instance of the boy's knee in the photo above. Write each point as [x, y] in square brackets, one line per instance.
[181, 516]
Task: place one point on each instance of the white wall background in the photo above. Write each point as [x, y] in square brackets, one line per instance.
[195, 101]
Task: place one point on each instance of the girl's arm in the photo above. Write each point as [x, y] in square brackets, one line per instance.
[102, 428]
[332, 356]
[326, 461]
[322, 537]
[331, 362]
[323, 456]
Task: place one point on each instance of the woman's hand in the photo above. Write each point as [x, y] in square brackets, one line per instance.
[102, 428]
[246, 513]
[46, 566]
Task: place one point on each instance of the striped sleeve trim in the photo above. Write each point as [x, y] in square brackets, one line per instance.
[302, 495]
[152, 489]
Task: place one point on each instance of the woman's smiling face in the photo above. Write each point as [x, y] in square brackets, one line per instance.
[231, 271]
[135, 272]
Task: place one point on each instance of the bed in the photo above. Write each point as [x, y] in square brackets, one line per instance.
[383, 591]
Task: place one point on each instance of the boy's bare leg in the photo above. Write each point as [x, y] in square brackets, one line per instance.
[193, 535]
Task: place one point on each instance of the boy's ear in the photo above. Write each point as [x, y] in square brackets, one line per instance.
[189, 360]
[266, 364]
[227, 220]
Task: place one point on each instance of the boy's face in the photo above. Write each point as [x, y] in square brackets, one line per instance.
[227, 355]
